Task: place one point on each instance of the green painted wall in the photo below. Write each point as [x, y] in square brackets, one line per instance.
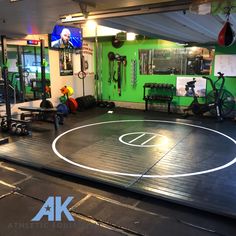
[130, 50]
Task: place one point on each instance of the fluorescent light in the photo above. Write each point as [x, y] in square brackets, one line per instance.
[15, 0]
[130, 36]
[68, 18]
[72, 19]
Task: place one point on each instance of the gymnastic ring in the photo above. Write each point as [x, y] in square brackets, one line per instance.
[81, 75]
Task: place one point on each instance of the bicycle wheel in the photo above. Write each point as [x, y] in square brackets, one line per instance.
[226, 102]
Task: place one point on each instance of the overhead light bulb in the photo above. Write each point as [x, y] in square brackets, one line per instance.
[91, 24]
[130, 36]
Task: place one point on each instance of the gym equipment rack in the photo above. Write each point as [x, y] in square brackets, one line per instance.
[8, 123]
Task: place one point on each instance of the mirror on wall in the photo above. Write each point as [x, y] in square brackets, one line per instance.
[24, 73]
[176, 61]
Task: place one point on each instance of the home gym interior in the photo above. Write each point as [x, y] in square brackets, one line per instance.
[143, 101]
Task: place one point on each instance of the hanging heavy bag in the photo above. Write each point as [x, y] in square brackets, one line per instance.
[226, 35]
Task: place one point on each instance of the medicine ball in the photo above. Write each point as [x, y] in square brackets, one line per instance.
[116, 43]
[62, 108]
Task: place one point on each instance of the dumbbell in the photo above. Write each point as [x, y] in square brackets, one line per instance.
[18, 130]
[13, 127]
[24, 130]
[4, 126]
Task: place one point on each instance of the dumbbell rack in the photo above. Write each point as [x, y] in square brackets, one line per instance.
[158, 92]
[18, 127]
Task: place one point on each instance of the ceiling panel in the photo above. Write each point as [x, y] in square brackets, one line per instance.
[33, 16]
[181, 26]
[107, 4]
[39, 17]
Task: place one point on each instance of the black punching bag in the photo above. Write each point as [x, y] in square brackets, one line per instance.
[226, 35]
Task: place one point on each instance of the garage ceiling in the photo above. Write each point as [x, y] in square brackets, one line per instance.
[165, 19]
[183, 27]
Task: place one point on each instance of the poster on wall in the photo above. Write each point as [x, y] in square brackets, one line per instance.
[200, 86]
[88, 60]
[66, 63]
[225, 64]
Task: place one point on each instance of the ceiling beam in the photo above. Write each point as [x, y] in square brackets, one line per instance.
[129, 11]
[88, 3]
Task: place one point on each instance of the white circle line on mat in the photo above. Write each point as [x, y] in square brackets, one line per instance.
[142, 175]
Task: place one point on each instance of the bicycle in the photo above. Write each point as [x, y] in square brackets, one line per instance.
[219, 102]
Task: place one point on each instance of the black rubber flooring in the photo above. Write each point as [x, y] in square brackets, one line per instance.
[190, 162]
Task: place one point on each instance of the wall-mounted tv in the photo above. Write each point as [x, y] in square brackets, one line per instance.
[65, 37]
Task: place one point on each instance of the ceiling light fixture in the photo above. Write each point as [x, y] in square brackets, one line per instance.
[130, 36]
[91, 24]
[15, 1]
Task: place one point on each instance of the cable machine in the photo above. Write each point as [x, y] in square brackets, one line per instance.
[6, 82]
[45, 103]
[21, 76]
[9, 124]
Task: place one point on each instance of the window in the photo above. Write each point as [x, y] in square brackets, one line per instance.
[176, 61]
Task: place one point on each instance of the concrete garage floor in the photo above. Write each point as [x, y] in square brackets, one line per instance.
[97, 209]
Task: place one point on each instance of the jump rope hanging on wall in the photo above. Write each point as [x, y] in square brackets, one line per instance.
[82, 74]
[117, 65]
[226, 36]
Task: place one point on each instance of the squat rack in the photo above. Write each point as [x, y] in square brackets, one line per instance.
[9, 124]
[6, 81]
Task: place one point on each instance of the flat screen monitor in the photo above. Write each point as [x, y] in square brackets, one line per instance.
[65, 37]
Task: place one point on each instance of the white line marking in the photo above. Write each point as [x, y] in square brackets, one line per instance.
[140, 175]
[154, 136]
[143, 146]
[137, 138]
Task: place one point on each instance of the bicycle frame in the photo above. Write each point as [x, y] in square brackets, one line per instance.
[217, 92]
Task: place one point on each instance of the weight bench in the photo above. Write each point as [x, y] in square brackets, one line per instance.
[43, 114]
